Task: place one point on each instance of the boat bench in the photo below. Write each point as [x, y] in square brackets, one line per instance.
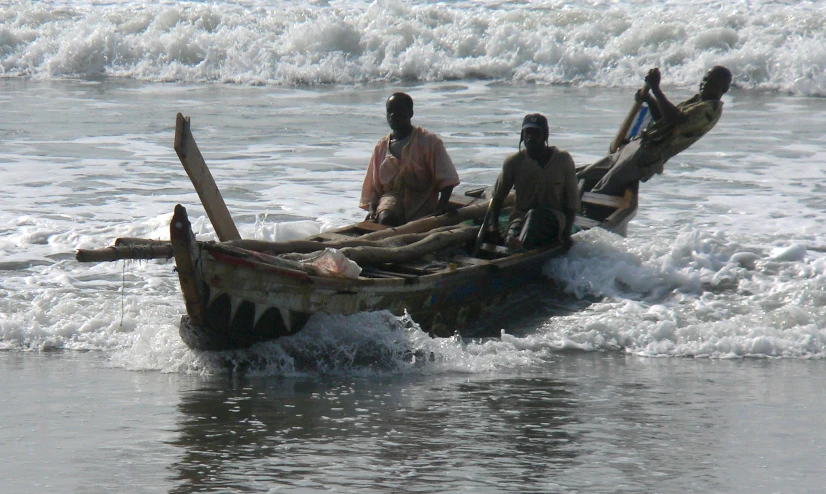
[595, 199]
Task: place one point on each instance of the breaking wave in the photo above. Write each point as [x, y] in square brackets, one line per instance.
[768, 45]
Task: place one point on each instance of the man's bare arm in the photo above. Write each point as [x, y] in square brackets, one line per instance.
[444, 200]
[666, 108]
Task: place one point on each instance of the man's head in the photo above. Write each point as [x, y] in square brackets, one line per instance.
[715, 83]
[399, 108]
[534, 132]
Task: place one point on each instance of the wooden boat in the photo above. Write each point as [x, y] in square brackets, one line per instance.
[241, 292]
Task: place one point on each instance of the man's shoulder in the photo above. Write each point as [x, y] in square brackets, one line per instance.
[423, 133]
[514, 158]
[695, 103]
[383, 141]
[562, 157]
[561, 153]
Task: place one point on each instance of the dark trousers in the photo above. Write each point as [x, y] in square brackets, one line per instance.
[540, 227]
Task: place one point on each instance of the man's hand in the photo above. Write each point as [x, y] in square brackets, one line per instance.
[639, 97]
[371, 213]
[653, 78]
[493, 235]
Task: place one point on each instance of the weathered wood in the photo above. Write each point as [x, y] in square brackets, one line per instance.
[117, 253]
[127, 241]
[146, 249]
[473, 211]
[202, 180]
[626, 124]
[606, 200]
[307, 246]
[480, 236]
[585, 222]
[186, 254]
[366, 255]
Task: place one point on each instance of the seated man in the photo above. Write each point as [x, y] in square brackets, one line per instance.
[673, 130]
[410, 174]
[547, 198]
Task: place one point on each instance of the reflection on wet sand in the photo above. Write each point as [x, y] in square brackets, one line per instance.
[379, 434]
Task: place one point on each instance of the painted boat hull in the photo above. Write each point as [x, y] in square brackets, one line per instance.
[236, 298]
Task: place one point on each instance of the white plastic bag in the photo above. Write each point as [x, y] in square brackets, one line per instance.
[331, 262]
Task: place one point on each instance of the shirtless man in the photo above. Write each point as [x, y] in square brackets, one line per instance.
[410, 174]
[674, 129]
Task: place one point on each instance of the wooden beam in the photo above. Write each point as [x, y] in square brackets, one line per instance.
[186, 256]
[116, 253]
[606, 200]
[201, 178]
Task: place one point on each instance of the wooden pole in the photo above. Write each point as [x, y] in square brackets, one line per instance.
[201, 178]
[473, 211]
[116, 253]
[626, 124]
[480, 237]
[431, 243]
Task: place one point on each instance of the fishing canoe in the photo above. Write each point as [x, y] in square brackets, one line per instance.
[241, 292]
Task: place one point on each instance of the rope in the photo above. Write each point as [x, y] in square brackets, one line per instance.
[122, 291]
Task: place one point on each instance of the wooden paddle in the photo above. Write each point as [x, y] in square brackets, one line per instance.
[480, 237]
[629, 120]
[202, 180]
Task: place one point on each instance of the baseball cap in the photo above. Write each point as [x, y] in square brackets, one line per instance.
[535, 120]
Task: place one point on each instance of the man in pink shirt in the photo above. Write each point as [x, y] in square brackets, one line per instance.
[410, 174]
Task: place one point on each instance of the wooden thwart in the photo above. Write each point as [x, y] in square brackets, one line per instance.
[606, 200]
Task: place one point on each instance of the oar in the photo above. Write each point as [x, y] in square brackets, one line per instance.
[202, 180]
[480, 237]
[629, 120]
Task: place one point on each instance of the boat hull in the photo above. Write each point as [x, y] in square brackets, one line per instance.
[246, 302]
[237, 296]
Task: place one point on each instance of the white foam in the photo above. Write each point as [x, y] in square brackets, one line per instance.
[768, 45]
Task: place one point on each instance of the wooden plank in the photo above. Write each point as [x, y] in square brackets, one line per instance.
[606, 200]
[186, 255]
[371, 226]
[202, 180]
[374, 272]
[583, 222]
[473, 211]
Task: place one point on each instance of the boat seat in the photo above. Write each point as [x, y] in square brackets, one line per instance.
[495, 250]
[606, 200]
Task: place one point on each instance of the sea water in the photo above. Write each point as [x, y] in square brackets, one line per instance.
[687, 356]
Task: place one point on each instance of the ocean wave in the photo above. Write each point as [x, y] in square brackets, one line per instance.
[768, 45]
